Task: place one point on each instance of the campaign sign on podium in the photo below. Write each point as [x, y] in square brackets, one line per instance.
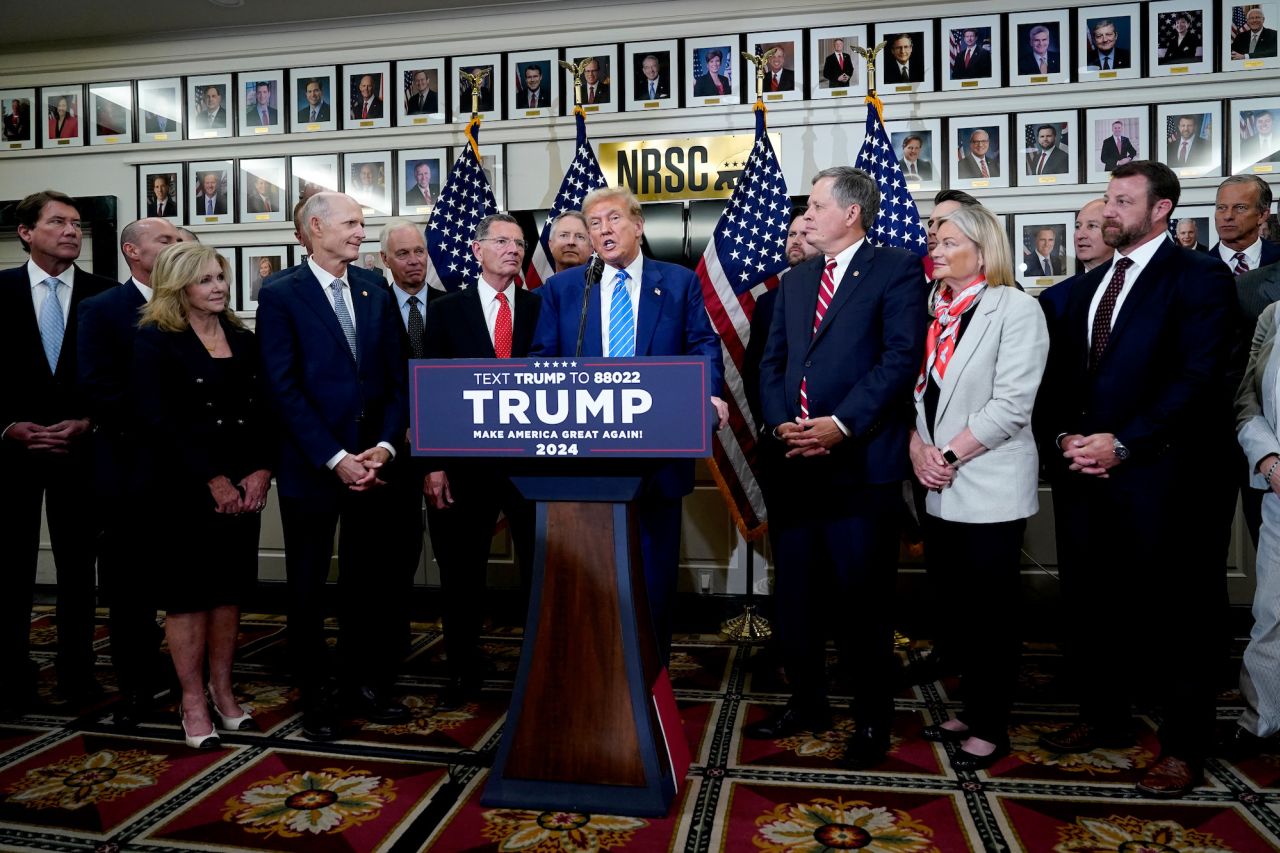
[654, 407]
[593, 725]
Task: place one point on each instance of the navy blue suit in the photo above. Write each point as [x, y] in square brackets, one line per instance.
[1124, 542]
[33, 393]
[842, 521]
[672, 320]
[1270, 254]
[108, 324]
[325, 401]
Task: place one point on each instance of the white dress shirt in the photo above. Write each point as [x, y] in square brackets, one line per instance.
[1141, 257]
[490, 305]
[146, 291]
[1252, 254]
[39, 293]
[635, 273]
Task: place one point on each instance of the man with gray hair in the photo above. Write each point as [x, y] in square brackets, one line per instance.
[570, 244]
[495, 318]
[1040, 58]
[831, 384]
[1243, 203]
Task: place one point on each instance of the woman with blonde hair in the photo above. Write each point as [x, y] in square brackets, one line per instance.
[196, 388]
[972, 448]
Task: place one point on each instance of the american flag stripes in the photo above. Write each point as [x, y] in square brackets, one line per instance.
[465, 199]
[582, 176]
[898, 222]
[745, 255]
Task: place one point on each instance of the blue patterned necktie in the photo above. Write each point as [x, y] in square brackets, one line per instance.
[622, 323]
[52, 324]
[344, 316]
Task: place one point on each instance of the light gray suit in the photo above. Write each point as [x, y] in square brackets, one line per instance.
[1258, 430]
[990, 387]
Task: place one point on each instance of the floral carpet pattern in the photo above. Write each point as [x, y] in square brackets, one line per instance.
[70, 781]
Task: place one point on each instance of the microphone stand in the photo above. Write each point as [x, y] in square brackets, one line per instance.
[594, 273]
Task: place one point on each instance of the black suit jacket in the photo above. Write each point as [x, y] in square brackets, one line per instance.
[1111, 155]
[169, 208]
[1057, 164]
[602, 93]
[1120, 55]
[704, 88]
[832, 69]
[375, 108]
[1185, 52]
[304, 114]
[215, 121]
[256, 203]
[543, 99]
[1158, 386]
[1270, 253]
[108, 324]
[979, 66]
[968, 167]
[31, 391]
[642, 87]
[252, 119]
[152, 124]
[219, 205]
[423, 102]
[915, 69]
[1257, 289]
[416, 198]
[1027, 61]
[1197, 155]
[1266, 44]
[786, 80]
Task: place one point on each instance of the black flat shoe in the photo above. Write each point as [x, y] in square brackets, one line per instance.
[938, 734]
[867, 748]
[967, 762]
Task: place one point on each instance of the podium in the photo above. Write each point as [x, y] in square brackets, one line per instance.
[593, 725]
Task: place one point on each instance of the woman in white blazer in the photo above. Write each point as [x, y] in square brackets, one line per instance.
[1258, 430]
[972, 449]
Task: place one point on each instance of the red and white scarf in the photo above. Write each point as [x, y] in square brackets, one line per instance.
[940, 343]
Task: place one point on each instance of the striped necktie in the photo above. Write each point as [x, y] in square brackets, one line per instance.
[51, 324]
[344, 316]
[622, 323]
[826, 293]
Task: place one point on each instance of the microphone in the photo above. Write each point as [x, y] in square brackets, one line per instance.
[594, 273]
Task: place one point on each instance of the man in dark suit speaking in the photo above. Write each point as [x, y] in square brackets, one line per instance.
[843, 351]
[640, 307]
[332, 353]
[1134, 387]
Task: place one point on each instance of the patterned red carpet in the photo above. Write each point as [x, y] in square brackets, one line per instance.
[70, 782]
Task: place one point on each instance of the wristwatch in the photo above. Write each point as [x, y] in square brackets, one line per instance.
[1122, 452]
[950, 456]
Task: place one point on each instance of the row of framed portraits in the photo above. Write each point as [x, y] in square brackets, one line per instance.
[251, 265]
[1091, 44]
[1066, 147]
[266, 189]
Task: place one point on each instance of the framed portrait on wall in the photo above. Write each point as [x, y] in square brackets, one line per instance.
[533, 84]
[311, 103]
[160, 109]
[111, 107]
[61, 116]
[262, 194]
[1115, 136]
[654, 68]
[1039, 47]
[1249, 36]
[1193, 227]
[1110, 42]
[1180, 37]
[421, 97]
[835, 68]
[491, 88]
[783, 70]
[256, 264]
[713, 75]
[980, 147]
[365, 90]
[906, 63]
[310, 174]
[601, 77]
[209, 106]
[370, 258]
[1255, 144]
[16, 130]
[212, 189]
[1048, 154]
[261, 102]
[971, 52]
[1192, 143]
[921, 151]
[420, 171]
[493, 161]
[367, 175]
[161, 191]
[1043, 248]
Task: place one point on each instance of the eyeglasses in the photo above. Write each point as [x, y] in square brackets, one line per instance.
[504, 243]
[572, 238]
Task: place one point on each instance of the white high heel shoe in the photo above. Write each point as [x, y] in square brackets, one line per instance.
[209, 741]
[241, 723]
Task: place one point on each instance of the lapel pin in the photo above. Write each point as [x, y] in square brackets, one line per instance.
[364, 293]
[657, 292]
[855, 273]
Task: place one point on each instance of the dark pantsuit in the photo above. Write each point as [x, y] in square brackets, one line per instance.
[839, 573]
[977, 568]
[123, 560]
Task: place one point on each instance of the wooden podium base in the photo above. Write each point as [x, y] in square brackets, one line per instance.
[584, 732]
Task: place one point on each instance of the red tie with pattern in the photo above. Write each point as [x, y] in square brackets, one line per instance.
[502, 328]
[1242, 263]
[826, 293]
[1107, 307]
[982, 165]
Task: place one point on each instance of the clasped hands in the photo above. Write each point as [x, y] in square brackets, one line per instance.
[55, 438]
[931, 469]
[359, 471]
[249, 495]
[1094, 455]
[810, 436]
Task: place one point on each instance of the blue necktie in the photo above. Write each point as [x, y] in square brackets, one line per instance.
[622, 322]
[52, 324]
[344, 316]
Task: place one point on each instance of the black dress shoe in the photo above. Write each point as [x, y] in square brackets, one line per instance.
[1242, 744]
[866, 748]
[128, 711]
[1084, 737]
[787, 723]
[968, 762]
[938, 734]
[321, 722]
[375, 706]
[457, 693]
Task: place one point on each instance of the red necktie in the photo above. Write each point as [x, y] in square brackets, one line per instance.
[1040, 168]
[502, 328]
[1242, 263]
[365, 113]
[826, 293]
[1107, 307]
[982, 164]
[840, 60]
[968, 57]
[533, 100]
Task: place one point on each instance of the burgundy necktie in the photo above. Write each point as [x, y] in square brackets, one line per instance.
[982, 164]
[502, 328]
[1242, 263]
[1043, 157]
[826, 293]
[1107, 307]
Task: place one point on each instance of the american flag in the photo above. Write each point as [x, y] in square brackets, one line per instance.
[898, 222]
[746, 253]
[464, 200]
[1237, 20]
[582, 176]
